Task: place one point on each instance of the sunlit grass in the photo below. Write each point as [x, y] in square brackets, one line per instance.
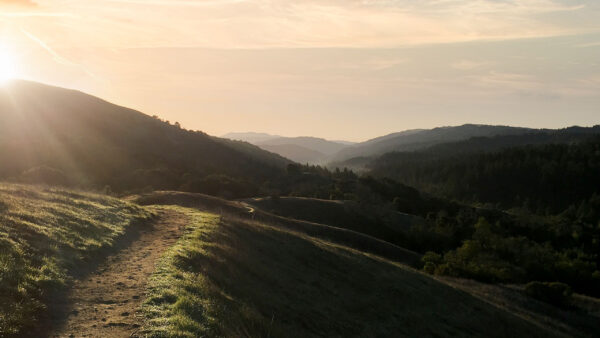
[45, 234]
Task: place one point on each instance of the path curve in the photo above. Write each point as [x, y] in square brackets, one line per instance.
[106, 303]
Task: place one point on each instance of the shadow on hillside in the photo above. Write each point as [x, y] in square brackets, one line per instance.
[268, 282]
[341, 236]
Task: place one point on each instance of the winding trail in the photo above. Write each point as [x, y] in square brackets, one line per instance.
[106, 302]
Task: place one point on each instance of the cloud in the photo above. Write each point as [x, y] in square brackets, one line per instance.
[469, 64]
[240, 24]
[57, 57]
[26, 3]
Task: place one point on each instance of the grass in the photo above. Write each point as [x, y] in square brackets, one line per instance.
[232, 277]
[341, 235]
[45, 236]
[375, 221]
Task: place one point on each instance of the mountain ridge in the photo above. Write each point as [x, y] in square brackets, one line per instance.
[93, 142]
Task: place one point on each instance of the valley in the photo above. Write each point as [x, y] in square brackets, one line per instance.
[116, 223]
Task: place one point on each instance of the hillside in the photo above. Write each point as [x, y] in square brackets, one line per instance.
[545, 200]
[299, 149]
[491, 144]
[412, 140]
[194, 265]
[548, 177]
[47, 236]
[232, 276]
[295, 152]
[314, 143]
[250, 137]
[387, 225]
[68, 137]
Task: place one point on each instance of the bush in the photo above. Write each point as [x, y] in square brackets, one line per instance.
[431, 261]
[553, 293]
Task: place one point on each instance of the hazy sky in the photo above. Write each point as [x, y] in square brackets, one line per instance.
[341, 69]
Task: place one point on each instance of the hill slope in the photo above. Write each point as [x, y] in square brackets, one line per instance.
[295, 152]
[241, 272]
[87, 141]
[412, 140]
[235, 277]
[302, 149]
[250, 137]
[314, 143]
[46, 235]
[547, 177]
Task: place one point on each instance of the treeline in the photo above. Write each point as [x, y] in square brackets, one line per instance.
[545, 180]
[549, 233]
[529, 213]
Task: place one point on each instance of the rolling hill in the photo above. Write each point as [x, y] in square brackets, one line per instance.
[386, 225]
[237, 273]
[417, 139]
[302, 149]
[295, 152]
[233, 270]
[47, 237]
[314, 143]
[62, 136]
[250, 137]
[546, 173]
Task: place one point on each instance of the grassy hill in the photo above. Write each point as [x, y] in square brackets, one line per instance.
[46, 235]
[237, 277]
[343, 235]
[381, 223]
[241, 271]
[61, 136]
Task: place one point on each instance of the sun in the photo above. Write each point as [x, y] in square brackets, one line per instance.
[8, 66]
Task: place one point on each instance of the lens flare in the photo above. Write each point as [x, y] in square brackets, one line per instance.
[8, 66]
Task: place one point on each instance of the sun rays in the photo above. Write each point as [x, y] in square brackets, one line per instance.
[8, 64]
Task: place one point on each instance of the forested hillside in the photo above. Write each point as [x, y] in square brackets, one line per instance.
[523, 213]
[544, 179]
[412, 140]
[59, 136]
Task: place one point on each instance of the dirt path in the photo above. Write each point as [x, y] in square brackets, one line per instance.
[106, 302]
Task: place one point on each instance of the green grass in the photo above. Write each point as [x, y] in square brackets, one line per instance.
[45, 235]
[234, 278]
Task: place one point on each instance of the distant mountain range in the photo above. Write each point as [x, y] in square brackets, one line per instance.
[250, 137]
[357, 155]
[417, 139]
[311, 150]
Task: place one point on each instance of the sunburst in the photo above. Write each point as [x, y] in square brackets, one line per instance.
[8, 66]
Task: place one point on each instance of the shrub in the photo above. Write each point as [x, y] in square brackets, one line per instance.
[554, 293]
[431, 261]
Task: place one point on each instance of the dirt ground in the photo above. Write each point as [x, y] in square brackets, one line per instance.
[106, 302]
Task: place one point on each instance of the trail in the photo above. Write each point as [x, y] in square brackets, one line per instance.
[106, 302]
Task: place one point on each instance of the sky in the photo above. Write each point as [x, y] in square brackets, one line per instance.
[338, 69]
